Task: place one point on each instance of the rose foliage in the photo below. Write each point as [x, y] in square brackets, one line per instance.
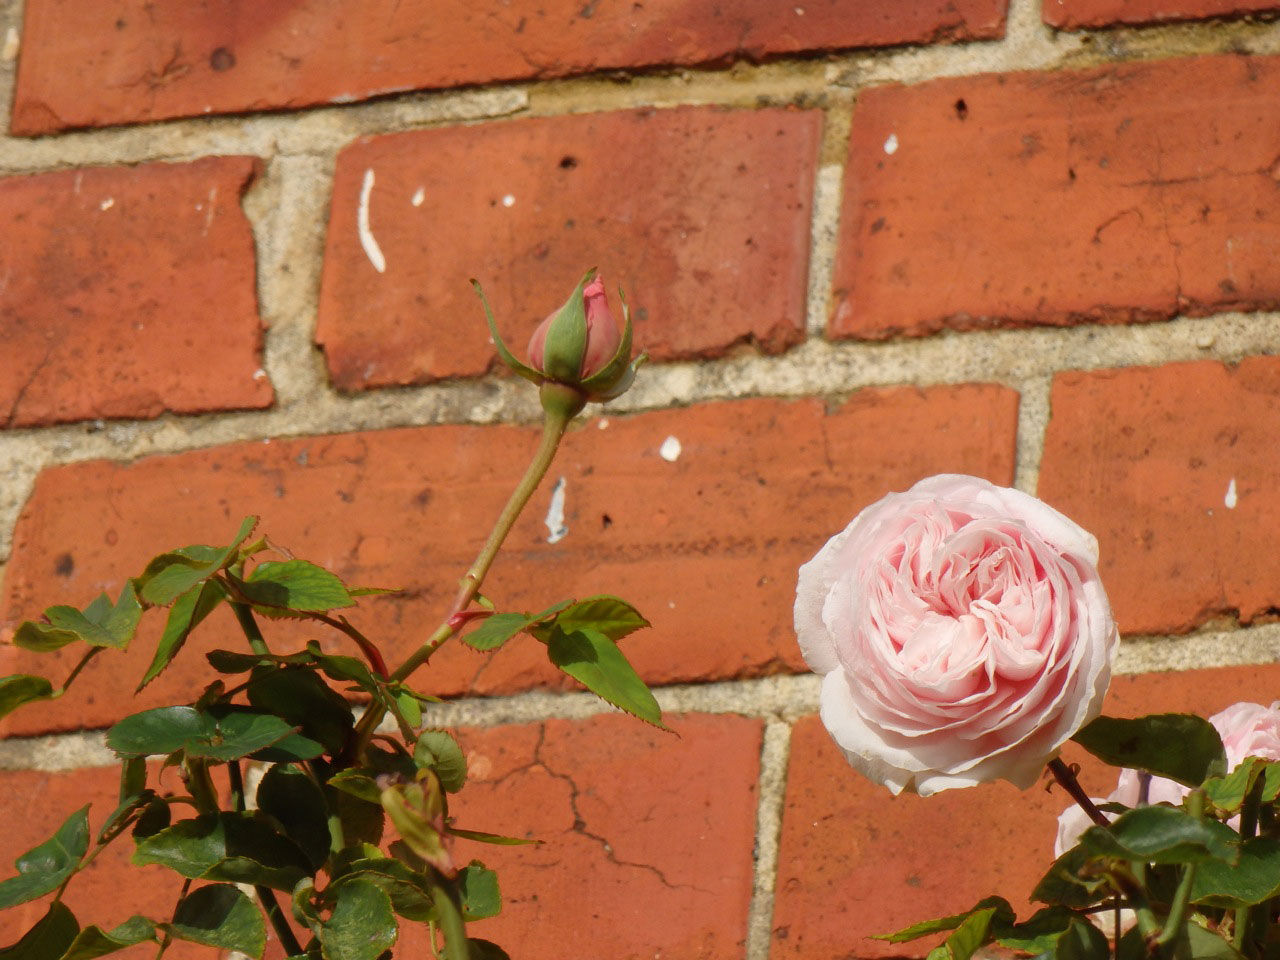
[964, 636]
[351, 832]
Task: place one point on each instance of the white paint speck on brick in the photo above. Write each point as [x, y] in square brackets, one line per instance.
[419, 196]
[1231, 499]
[556, 528]
[891, 144]
[107, 204]
[367, 241]
[670, 450]
[509, 200]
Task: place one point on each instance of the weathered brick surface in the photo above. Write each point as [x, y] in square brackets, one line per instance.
[1077, 14]
[1174, 469]
[128, 292]
[855, 861]
[707, 546]
[1123, 193]
[701, 214]
[109, 890]
[86, 63]
[628, 864]
[648, 837]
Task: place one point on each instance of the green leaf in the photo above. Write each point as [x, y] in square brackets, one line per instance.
[1197, 943]
[362, 820]
[362, 924]
[478, 887]
[101, 624]
[1039, 932]
[595, 661]
[302, 699]
[481, 837]
[1066, 884]
[20, 688]
[438, 751]
[50, 937]
[237, 847]
[295, 585]
[1081, 941]
[338, 667]
[611, 616]
[121, 815]
[924, 928]
[185, 615]
[409, 891]
[172, 574]
[357, 783]
[232, 661]
[155, 818]
[1255, 878]
[486, 950]
[295, 800]
[93, 941]
[970, 935]
[219, 915]
[227, 735]
[496, 630]
[43, 868]
[1179, 746]
[1162, 834]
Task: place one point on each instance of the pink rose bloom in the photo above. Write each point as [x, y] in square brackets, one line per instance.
[1247, 730]
[603, 335]
[962, 632]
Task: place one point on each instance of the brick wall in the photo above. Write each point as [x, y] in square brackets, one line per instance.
[869, 242]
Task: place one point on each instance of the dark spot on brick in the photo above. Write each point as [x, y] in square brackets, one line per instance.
[1226, 286]
[879, 224]
[64, 565]
[120, 24]
[606, 521]
[568, 162]
[1071, 174]
[422, 497]
[962, 109]
[222, 59]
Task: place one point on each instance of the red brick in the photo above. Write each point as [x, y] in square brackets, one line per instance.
[1077, 14]
[87, 64]
[128, 292]
[109, 890]
[707, 547]
[855, 861]
[648, 838]
[701, 214]
[1145, 458]
[1119, 194]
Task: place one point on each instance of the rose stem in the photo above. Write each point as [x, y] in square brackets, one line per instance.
[553, 429]
[1063, 774]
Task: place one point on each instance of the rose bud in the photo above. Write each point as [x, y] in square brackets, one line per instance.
[578, 353]
[962, 632]
[602, 340]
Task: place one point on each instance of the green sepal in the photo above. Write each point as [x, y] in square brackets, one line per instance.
[481, 836]
[505, 355]
[44, 867]
[20, 688]
[566, 341]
